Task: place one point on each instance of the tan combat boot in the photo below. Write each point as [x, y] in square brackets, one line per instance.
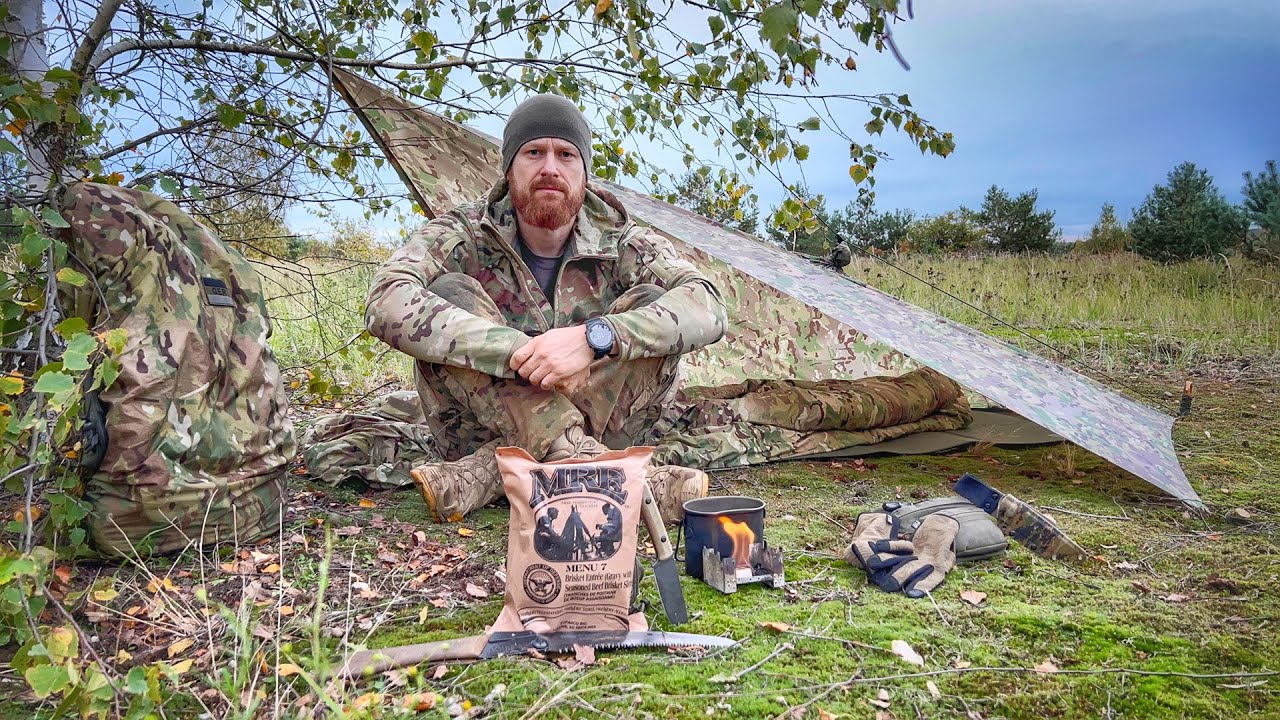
[453, 489]
[672, 485]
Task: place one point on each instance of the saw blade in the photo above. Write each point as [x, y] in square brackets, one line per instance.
[521, 642]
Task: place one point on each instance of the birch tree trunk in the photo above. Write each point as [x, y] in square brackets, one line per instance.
[29, 59]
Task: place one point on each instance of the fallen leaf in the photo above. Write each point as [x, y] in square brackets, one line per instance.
[230, 567]
[824, 715]
[422, 614]
[584, 654]
[973, 597]
[1126, 566]
[1241, 514]
[271, 569]
[181, 667]
[905, 651]
[466, 532]
[349, 531]
[775, 626]
[1175, 597]
[881, 700]
[419, 702]
[261, 557]
[287, 669]
[179, 646]
[933, 689]
[961, 664]
[1047, 667]
[884, 715]
[439, 672]
[367, 503]
[440, 603]
[476, 591]
[286, 610]
[1142, 588]
[419, 537]
[367, 700]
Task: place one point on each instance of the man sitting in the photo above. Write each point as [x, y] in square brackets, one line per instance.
[542, 317]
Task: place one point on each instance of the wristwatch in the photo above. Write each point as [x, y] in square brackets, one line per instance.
[600, 337]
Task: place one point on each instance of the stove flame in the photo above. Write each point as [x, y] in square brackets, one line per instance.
[742, 537]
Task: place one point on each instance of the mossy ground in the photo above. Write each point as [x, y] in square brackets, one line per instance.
[1174, 593]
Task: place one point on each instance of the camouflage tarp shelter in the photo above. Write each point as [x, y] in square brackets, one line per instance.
[792, 319]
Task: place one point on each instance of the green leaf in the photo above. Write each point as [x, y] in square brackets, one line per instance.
[71, 326]
[858, 173]
[71, 277]
[717, 25]
[15, 566]
[801, 152]
[136, 681]
[52, 218]
[33, 247]
[63, 644]
[54, 382]
[777, 23]
[10, 385]
[168, 185]
[115, 339]
[230, 117]
[75, 362]
[82, 344]
[812, 123]
[46, 680]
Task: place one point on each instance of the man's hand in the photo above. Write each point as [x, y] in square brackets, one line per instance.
[553, 357]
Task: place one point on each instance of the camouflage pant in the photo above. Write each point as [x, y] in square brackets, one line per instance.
[619, 405]
[765, 420]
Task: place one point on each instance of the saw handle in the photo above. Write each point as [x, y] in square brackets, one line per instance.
[372, 662]
[657, 528]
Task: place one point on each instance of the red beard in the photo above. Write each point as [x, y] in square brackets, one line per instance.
[546, 210]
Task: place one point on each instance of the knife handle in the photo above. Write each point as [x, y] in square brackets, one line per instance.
[657, 529]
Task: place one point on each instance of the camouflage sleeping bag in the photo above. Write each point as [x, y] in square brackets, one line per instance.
[197, 436]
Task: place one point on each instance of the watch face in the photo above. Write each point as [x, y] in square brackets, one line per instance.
[600, 336]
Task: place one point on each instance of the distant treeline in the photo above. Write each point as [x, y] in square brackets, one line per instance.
[1186, 217]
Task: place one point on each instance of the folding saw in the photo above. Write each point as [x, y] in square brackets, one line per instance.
[524, 642]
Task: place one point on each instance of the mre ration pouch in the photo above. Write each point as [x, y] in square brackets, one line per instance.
[572, 544]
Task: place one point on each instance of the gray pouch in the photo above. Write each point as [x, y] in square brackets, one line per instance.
[979, 537]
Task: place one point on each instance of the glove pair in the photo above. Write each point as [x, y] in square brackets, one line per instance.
[914, 566]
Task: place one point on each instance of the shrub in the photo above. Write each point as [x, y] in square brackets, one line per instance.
[952, 231]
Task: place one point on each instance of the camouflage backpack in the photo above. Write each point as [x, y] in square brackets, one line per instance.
[196, 435]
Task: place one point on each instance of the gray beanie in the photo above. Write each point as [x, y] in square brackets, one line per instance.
[544, 116]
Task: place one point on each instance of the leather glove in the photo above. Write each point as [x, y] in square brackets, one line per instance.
[920, 572]
[875, 549]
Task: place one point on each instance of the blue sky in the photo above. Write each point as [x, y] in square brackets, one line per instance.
[1088, 101]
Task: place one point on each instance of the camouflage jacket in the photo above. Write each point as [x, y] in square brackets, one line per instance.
[607, 254]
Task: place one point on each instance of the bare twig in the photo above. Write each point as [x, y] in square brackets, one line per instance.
[1088, 515]
[784, 647]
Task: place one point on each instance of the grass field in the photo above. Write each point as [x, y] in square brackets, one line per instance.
[1176, 616]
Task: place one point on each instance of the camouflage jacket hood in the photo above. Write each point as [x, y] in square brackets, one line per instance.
[606, 255]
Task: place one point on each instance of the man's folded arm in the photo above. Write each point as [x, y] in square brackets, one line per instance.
[690, 315]
[402, 312]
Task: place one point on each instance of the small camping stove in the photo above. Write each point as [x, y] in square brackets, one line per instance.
[727, 547]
